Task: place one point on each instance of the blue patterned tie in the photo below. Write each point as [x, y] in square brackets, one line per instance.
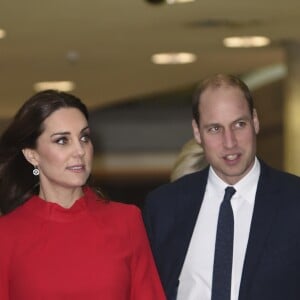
[221, 283]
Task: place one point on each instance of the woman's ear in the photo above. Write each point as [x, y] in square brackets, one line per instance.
[30, 155]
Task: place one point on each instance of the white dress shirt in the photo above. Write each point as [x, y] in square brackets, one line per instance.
[195, 280]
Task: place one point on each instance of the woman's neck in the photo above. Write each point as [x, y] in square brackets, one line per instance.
[62, 196]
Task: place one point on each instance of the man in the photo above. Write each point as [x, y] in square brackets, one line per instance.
[184, 218]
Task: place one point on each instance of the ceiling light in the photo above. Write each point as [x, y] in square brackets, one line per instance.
[266, 75]
[173, 58]
[2, 33]
[64, 86]
[246, 41]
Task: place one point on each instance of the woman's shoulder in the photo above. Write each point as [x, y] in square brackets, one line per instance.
[14, 217]
[11, 226]
[112, 207]
[121, 218]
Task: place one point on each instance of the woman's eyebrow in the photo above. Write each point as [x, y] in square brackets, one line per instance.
[67, 132]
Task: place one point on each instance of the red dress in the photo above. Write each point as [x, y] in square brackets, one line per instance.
[95, 250]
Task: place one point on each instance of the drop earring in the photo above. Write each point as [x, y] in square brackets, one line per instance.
[36, 171]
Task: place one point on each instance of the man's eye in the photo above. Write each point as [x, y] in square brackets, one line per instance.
[214, 129]
[240, 124]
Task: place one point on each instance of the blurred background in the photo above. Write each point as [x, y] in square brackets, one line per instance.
[135, 64]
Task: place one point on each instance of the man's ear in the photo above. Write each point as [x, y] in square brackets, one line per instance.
[30, 155]
[255, 121]
[196, 132]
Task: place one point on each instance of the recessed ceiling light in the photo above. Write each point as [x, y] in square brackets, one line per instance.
[64, 86]
[173, 58]
[2, 33]
[246, 41]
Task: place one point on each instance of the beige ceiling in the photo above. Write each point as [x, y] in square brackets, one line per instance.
[114, 40]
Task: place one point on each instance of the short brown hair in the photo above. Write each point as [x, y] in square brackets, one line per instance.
[217, 81]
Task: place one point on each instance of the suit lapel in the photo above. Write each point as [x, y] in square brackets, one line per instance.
[188, 205]
[265, 208]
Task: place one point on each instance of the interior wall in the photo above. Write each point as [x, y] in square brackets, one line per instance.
[269, 103]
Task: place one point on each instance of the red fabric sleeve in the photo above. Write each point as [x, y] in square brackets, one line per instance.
[5, 254]
[146, 284]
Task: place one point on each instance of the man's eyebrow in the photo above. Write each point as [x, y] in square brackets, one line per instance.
[211, 125]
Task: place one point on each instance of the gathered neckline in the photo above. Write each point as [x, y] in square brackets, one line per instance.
[55, 212]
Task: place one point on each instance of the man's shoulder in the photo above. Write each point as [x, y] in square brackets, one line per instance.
[279, 179]
[278, 175]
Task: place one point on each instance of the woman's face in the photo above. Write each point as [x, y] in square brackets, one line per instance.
[64, 151]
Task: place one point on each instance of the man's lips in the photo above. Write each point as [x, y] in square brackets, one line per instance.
[231, 157]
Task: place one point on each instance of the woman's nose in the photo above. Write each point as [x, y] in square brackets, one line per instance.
[79, 149]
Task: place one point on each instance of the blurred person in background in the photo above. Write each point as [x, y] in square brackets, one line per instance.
[190, 159]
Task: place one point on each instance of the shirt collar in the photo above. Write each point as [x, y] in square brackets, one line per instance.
[243, 187]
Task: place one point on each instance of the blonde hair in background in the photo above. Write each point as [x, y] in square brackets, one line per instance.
[190, 159]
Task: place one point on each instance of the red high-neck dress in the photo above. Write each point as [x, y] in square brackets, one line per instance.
[95, 250]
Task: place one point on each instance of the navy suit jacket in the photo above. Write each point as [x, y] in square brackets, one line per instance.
[272, 263]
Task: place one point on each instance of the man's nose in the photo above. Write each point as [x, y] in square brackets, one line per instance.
[229, 138]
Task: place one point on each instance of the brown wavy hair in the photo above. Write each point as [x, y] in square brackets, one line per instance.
[17, 184]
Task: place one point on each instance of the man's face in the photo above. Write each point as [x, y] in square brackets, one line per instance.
[227, 132]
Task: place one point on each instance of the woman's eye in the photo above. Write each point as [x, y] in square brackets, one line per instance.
[61, 141]
[85, 138]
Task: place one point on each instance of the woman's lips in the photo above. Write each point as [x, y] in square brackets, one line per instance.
[76, 168]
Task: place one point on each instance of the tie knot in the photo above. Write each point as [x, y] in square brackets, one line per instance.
[229, 192]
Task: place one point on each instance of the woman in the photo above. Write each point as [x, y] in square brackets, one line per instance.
[59, 239]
